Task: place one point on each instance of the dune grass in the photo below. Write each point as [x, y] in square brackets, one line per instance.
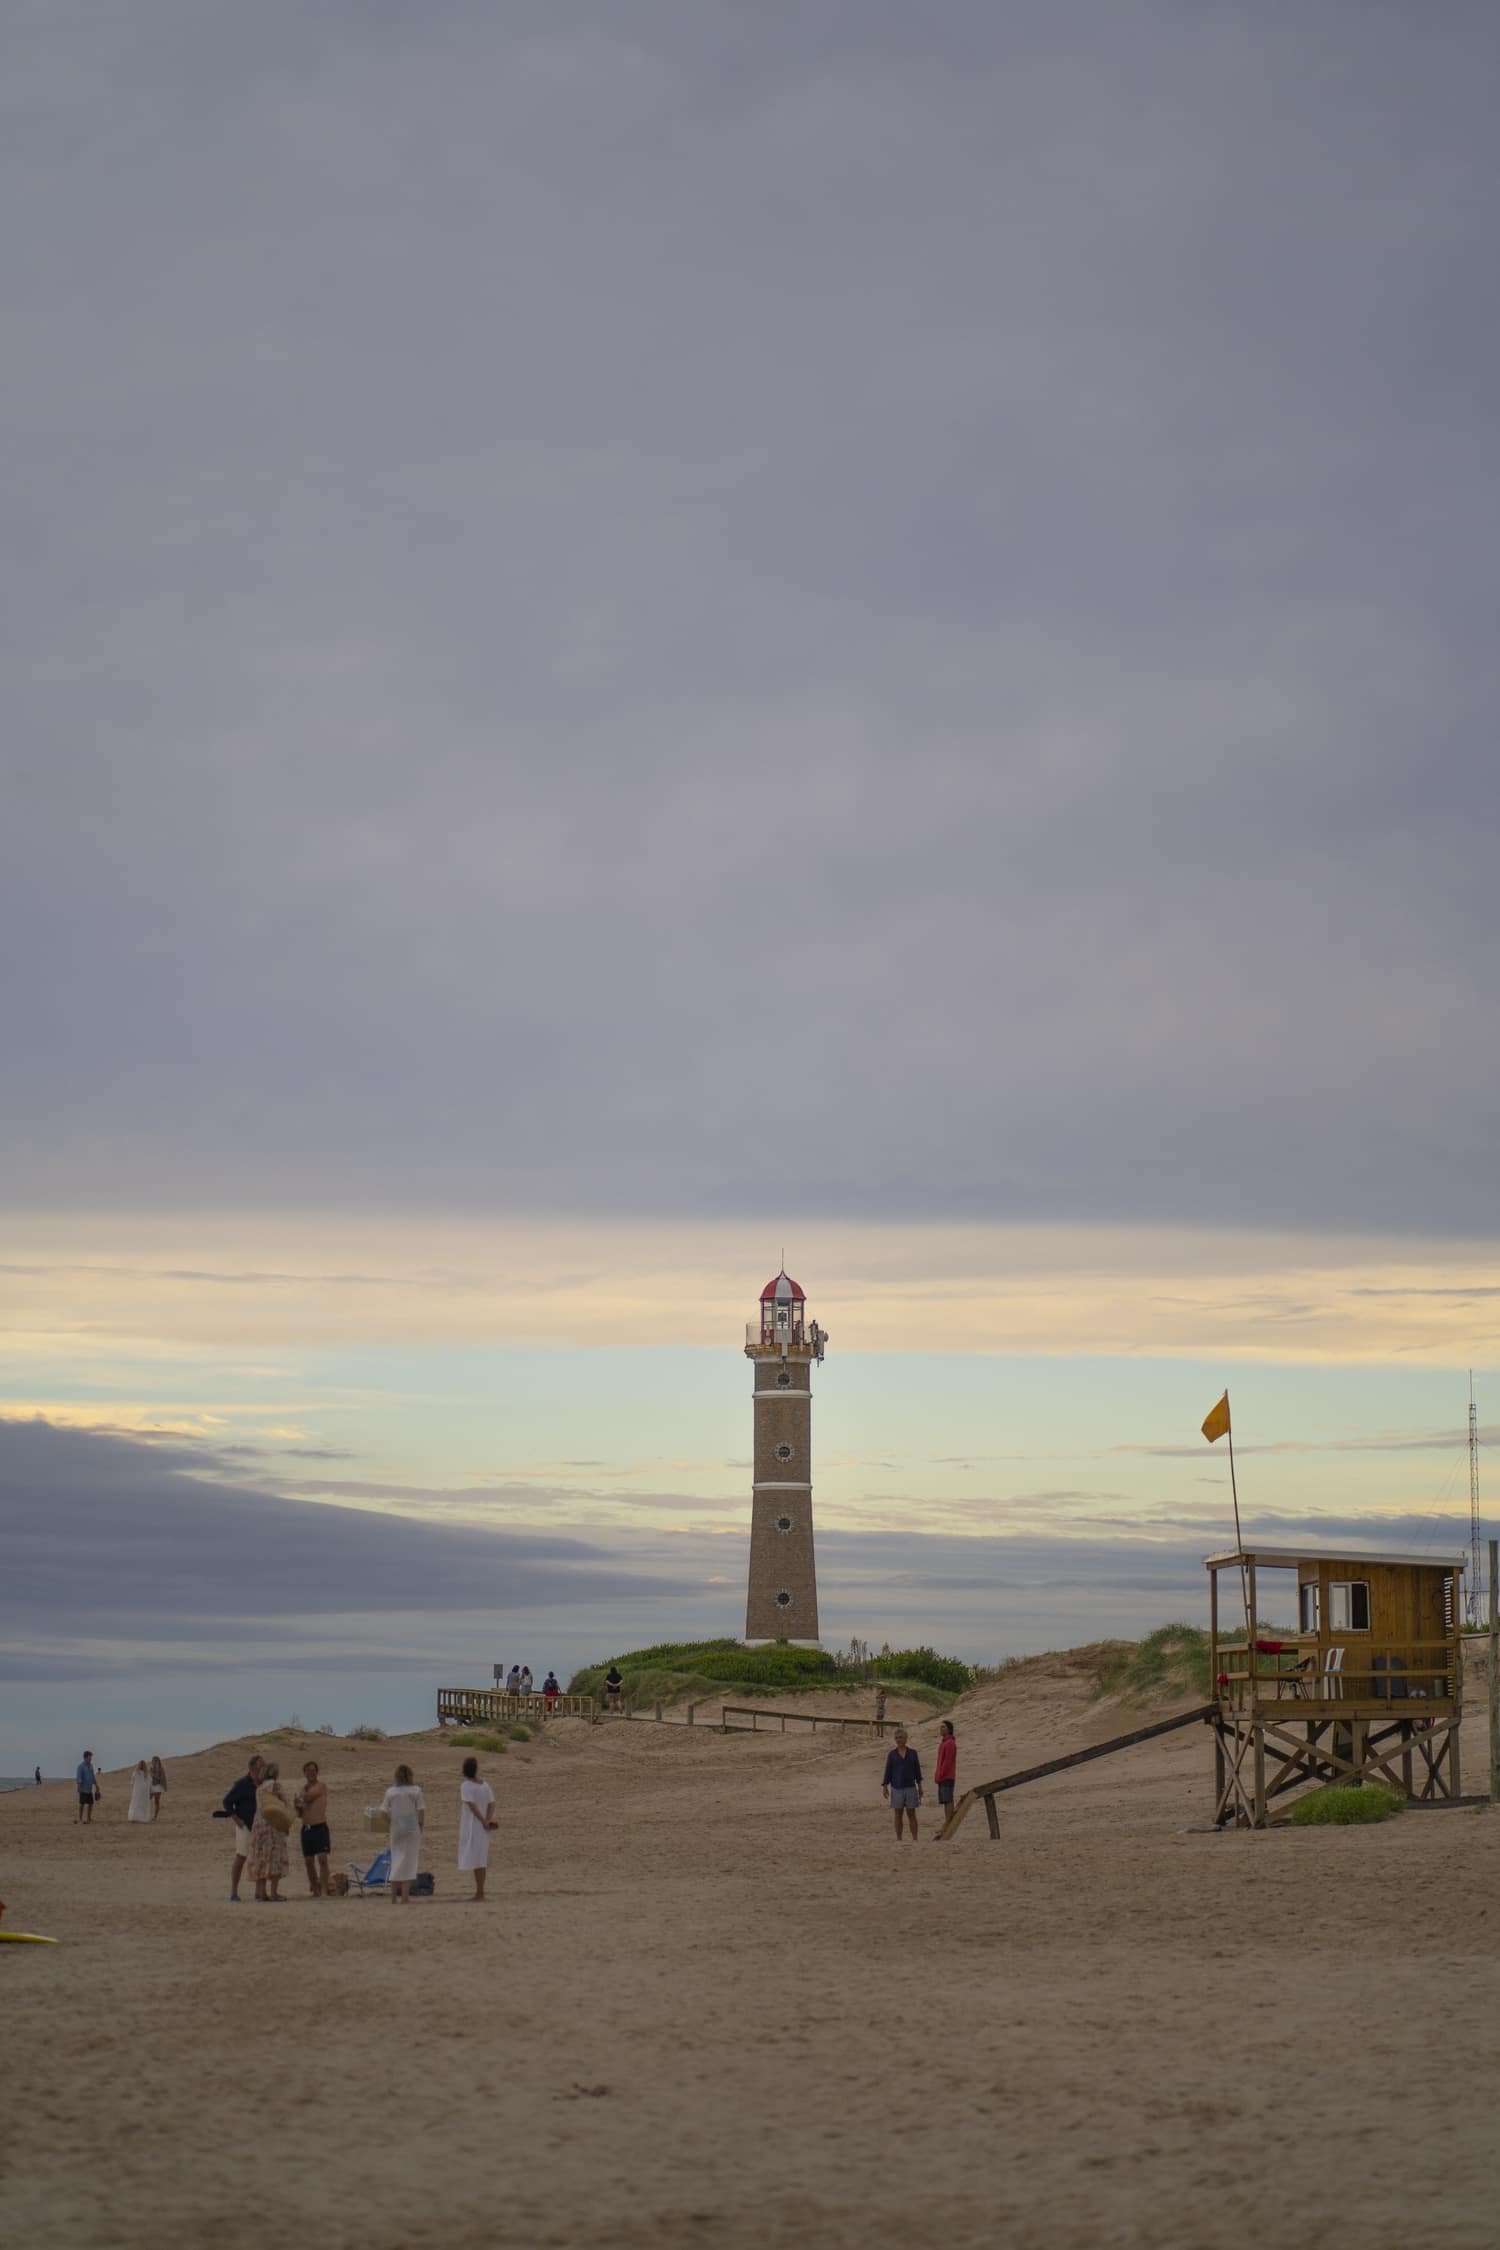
[494, 1743]
[1346, 1808]
[726, 1670]
[1172, 1660]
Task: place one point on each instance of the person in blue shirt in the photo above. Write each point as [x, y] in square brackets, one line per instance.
[902, 1786]
[89, 1791]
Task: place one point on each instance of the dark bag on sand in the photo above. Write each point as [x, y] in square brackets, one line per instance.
[423, 1886]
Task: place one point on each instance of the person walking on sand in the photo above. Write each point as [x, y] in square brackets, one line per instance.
[239, 1806]
[140, 1792]
[945, 1772]
[39, 1777]
[880, 1710]
[158, 1787]
[407, 1809]
[89, 1792]
[476, 1825]
[266, 1860]
[902, 1786]
[312, 1803]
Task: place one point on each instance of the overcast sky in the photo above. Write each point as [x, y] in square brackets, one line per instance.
[682, 607]
[718, 623]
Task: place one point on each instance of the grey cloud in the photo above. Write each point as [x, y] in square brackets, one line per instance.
[127, 1535]
[570, 568]
[1407, 1441]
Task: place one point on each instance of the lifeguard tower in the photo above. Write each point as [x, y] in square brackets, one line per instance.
[1368, 1688]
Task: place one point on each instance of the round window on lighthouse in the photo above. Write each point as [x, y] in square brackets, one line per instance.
[783, 1453]
[783, 1381]
[783, 1601]
[783, 1523]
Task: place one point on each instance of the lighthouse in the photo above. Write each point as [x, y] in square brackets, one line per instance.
[781, 1345]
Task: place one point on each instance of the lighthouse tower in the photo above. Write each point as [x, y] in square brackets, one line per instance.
[782, 1345]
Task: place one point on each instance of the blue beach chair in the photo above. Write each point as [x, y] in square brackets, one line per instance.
[376, 1876]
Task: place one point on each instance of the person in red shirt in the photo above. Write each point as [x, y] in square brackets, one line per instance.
[945, 1772]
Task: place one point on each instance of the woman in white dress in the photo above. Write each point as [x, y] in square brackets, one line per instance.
[140, 1793]
[407, 1808]
[476, 1803]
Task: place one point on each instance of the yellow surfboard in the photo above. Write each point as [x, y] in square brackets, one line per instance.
[24, 1937]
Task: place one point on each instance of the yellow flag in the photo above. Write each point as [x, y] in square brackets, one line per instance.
[1217, 1423]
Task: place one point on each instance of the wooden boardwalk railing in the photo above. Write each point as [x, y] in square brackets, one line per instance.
[990, 1790]
[473, 1706]
[755, 1712]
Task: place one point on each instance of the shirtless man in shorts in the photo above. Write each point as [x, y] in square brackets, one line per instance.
[312, 1803]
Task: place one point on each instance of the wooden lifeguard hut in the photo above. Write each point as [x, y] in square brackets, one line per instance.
[1368, 1688]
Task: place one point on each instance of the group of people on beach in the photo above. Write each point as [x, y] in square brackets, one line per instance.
[148, 1786]
[262, 1817]
[901, 1783]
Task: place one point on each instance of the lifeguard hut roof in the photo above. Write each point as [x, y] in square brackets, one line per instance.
[784, 1290]
[1287, 1558]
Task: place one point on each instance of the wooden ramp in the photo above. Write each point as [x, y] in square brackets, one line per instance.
[990, 1790]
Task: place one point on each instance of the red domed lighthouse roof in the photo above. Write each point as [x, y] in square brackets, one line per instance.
[783, 1289]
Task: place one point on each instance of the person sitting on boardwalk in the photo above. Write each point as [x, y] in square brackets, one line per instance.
[945, 1773]
[902, 1785]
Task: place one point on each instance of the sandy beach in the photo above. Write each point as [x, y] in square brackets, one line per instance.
[711, 2002]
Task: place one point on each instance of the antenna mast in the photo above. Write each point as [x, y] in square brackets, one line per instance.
[1475, 1604]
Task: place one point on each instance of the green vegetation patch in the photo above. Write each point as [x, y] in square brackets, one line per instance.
[926, 1665]
[691, 1671]
[1346, 1808]
[519, 1734]
[1172, 1660]
[490, 1742]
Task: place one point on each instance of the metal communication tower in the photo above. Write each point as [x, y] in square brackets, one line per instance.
[1475, 1604]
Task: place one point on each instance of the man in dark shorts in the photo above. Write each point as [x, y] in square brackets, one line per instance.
[312, 1803]
[612, 1686]
[89, 1791]
[902, 1786]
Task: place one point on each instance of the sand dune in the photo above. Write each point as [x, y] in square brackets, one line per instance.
[711, 2002]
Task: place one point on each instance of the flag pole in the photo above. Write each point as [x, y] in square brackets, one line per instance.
[1239, 1537]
